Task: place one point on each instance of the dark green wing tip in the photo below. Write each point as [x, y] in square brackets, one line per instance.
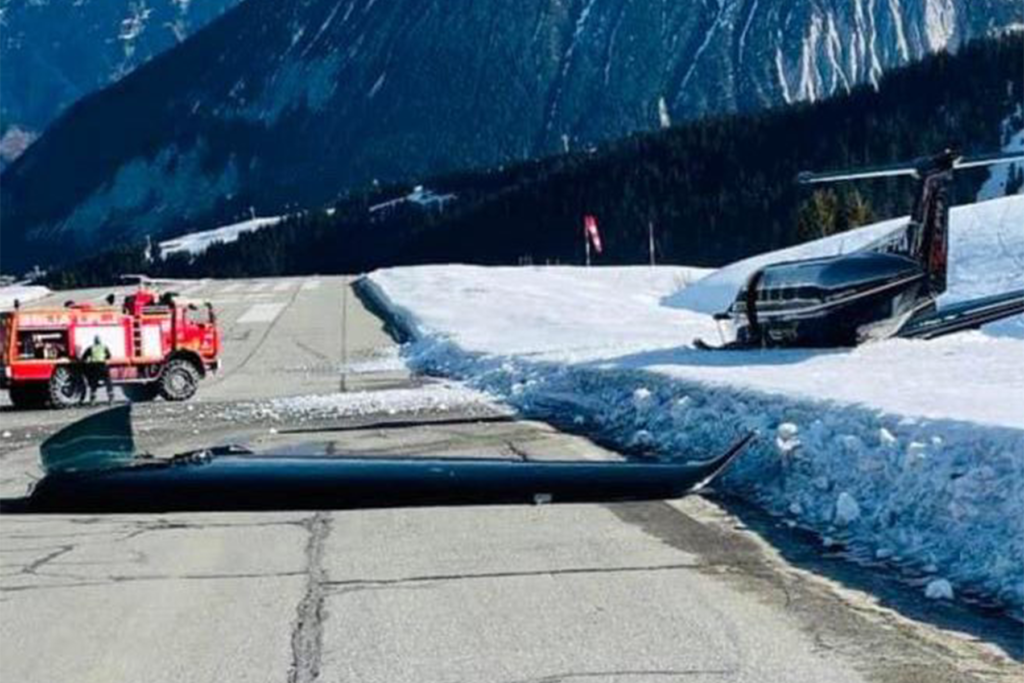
[100, 441]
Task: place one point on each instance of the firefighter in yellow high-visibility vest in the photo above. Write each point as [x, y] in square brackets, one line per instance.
[95, 358]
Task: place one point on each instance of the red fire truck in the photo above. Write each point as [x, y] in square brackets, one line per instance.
[158, 345]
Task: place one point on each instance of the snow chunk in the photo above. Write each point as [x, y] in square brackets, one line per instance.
[939, 589]
[642, 439]
[847, 509]
[786, 438]
[787, 430]
[387, 361]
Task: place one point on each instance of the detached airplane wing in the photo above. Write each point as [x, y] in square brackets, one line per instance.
[965, 315]
[87, 472]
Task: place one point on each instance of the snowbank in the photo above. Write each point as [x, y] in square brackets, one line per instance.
[21, 293]
[907, 453]
[441, 397]
[196, 243]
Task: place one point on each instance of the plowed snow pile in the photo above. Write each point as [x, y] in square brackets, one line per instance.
[906, 453]
[20, 293]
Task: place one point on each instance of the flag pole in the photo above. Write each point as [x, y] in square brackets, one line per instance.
[586, 246]
[650, 240]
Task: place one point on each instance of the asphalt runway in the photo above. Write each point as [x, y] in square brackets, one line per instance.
[692, 590]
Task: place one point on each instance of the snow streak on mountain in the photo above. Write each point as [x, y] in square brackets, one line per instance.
[280, 103]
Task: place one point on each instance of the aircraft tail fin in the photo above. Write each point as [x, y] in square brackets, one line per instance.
[928, 232]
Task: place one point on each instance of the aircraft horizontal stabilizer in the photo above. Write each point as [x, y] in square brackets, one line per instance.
[964, 315]
[948, 160]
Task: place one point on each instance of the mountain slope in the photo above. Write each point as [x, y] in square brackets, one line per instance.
[56, 51]
[283, 103]
[715, 190]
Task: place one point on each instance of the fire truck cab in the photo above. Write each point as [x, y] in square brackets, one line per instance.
[159, 344]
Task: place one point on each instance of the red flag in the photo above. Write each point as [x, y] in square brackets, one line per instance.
[590, 228]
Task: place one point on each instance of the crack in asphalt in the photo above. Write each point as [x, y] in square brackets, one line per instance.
[144, 527]
[47, 555]
[307, 632]
[34, 566]
[626, 673]
[434, 578]
[116, 578]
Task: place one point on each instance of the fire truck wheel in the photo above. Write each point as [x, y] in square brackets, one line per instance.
[28, 396]
[67, 387]
[140, 393]
[179, 380]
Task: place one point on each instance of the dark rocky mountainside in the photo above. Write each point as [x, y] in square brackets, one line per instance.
[56, 51]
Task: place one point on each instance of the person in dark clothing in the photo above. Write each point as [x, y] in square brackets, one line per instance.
[95, 358]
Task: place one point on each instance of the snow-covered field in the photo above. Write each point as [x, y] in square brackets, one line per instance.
[20, 293]
[196, 243]
[904, 453]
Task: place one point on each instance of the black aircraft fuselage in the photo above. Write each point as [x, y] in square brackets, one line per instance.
[829, 302]
[888, 288]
